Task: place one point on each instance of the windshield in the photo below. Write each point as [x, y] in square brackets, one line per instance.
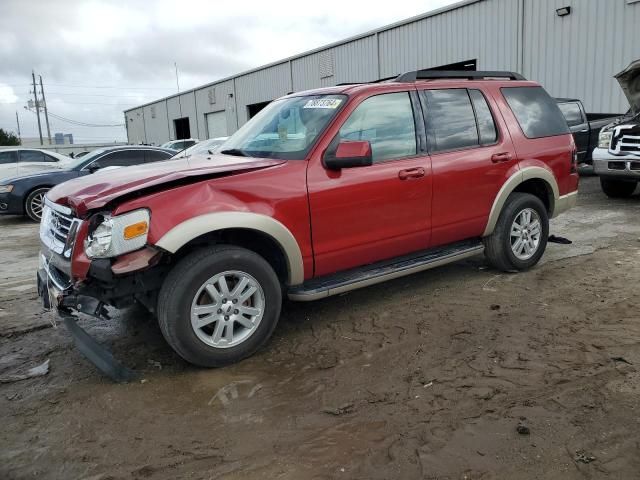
[77, 163]
[286, 128]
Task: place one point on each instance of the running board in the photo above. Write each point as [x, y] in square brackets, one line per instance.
[379, 272]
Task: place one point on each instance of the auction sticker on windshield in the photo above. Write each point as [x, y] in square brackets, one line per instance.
[323, 103]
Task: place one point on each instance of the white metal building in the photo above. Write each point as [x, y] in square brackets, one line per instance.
[573, 52]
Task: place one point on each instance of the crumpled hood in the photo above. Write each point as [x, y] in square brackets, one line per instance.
[96, 190]
[629, 80]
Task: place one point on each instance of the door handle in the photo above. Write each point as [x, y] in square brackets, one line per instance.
[501, 157]
[411, 173]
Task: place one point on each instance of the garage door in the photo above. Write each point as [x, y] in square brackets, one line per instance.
[216, 124]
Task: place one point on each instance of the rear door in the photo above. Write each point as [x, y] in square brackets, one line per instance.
[365, 214]
[578, 125]
[471, 156]
[35, 161]
[8, 164]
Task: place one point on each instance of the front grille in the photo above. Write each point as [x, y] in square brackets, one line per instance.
[58, 228]
[629, 144]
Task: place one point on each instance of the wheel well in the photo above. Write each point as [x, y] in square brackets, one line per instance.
[254, 240]
[539, 188]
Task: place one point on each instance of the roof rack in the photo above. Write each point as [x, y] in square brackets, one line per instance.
[462, 74]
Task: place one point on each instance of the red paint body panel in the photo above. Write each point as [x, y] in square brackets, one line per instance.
[340, 219]
[278, 192]
[466, 182]
[95, 191]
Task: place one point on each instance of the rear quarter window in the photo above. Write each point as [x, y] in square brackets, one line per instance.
[537, 113]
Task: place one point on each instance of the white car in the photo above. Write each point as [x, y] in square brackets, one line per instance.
[22, 161]
[180, 145]
[205, 146]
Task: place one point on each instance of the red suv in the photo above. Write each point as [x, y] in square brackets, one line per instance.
[323, 192]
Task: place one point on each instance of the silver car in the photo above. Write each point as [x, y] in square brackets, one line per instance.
[22, 161]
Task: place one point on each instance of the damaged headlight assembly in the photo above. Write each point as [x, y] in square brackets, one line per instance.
[604, 139]
[110, 236]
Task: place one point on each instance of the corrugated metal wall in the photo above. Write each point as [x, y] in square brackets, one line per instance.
[576, 55]
[573, 56]
[486, 31]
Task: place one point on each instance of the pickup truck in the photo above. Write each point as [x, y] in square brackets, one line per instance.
[584, 126]
[323, 192]
[616, 160]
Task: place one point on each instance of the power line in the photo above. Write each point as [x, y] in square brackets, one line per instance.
[90, 86]
[79, 123]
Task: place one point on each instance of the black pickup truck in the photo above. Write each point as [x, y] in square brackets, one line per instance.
[584, 126]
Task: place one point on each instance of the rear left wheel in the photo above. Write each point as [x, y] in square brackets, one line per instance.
[34, 204]
[520, 236]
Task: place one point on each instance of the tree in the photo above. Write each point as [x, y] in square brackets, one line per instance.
[8, 139]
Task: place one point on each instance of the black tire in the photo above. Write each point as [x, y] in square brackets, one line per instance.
[613, 188]
[34, 203]
[498, 245]
[181, 286]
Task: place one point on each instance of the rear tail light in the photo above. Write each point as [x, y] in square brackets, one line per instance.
[574, 161]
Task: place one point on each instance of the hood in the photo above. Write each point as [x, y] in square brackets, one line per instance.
[46, 175]
[629, 80]
[97, 190]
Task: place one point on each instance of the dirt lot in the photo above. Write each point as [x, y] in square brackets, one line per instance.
[425, 377]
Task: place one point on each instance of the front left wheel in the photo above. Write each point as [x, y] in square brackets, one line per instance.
[219, 305]
[34, 204]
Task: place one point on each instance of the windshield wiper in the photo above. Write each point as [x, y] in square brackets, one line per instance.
[235, 151]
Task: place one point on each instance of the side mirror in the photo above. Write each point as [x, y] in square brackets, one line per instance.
[94, 167]
[349, 154]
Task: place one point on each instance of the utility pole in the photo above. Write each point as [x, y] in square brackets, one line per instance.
[18, 122]
[35, 97]
[46, 113]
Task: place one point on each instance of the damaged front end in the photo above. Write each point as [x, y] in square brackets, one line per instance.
[75, 276]
[618, 152]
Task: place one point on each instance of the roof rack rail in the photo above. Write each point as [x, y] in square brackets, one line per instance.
[462, 74]
[380, 80]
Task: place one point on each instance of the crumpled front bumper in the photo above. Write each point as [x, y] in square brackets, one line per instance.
[66, 301]
[622, 166]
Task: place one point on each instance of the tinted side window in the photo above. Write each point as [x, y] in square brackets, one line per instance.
[8, 157]
[31, 156]
[49, 158]
[537, 113]
[122, 159]
[572, 113]
[451, 123]
[155, 156]
[486, 125]
[386, 121]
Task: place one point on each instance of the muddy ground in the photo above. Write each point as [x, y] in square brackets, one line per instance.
[427, 376]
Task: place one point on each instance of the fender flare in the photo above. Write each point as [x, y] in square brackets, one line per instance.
[190, 229]
[512, 183]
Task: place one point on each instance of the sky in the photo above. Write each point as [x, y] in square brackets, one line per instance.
[98, 58]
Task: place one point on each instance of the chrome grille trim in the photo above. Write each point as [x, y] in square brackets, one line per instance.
[57, 221]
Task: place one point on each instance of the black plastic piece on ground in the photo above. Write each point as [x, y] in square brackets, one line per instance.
[97, 354]
[561, 240]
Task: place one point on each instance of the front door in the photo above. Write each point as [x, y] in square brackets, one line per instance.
[365, 214]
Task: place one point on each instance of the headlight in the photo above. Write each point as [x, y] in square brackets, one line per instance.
[114, 236]
[604, 139]
[6, 188]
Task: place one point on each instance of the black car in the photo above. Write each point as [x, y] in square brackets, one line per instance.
[24, 195]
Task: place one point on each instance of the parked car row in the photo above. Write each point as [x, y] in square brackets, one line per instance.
[26, 181]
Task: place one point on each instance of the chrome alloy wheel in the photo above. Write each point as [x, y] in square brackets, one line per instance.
[37, 204]
[526, 230]
[227, 309]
